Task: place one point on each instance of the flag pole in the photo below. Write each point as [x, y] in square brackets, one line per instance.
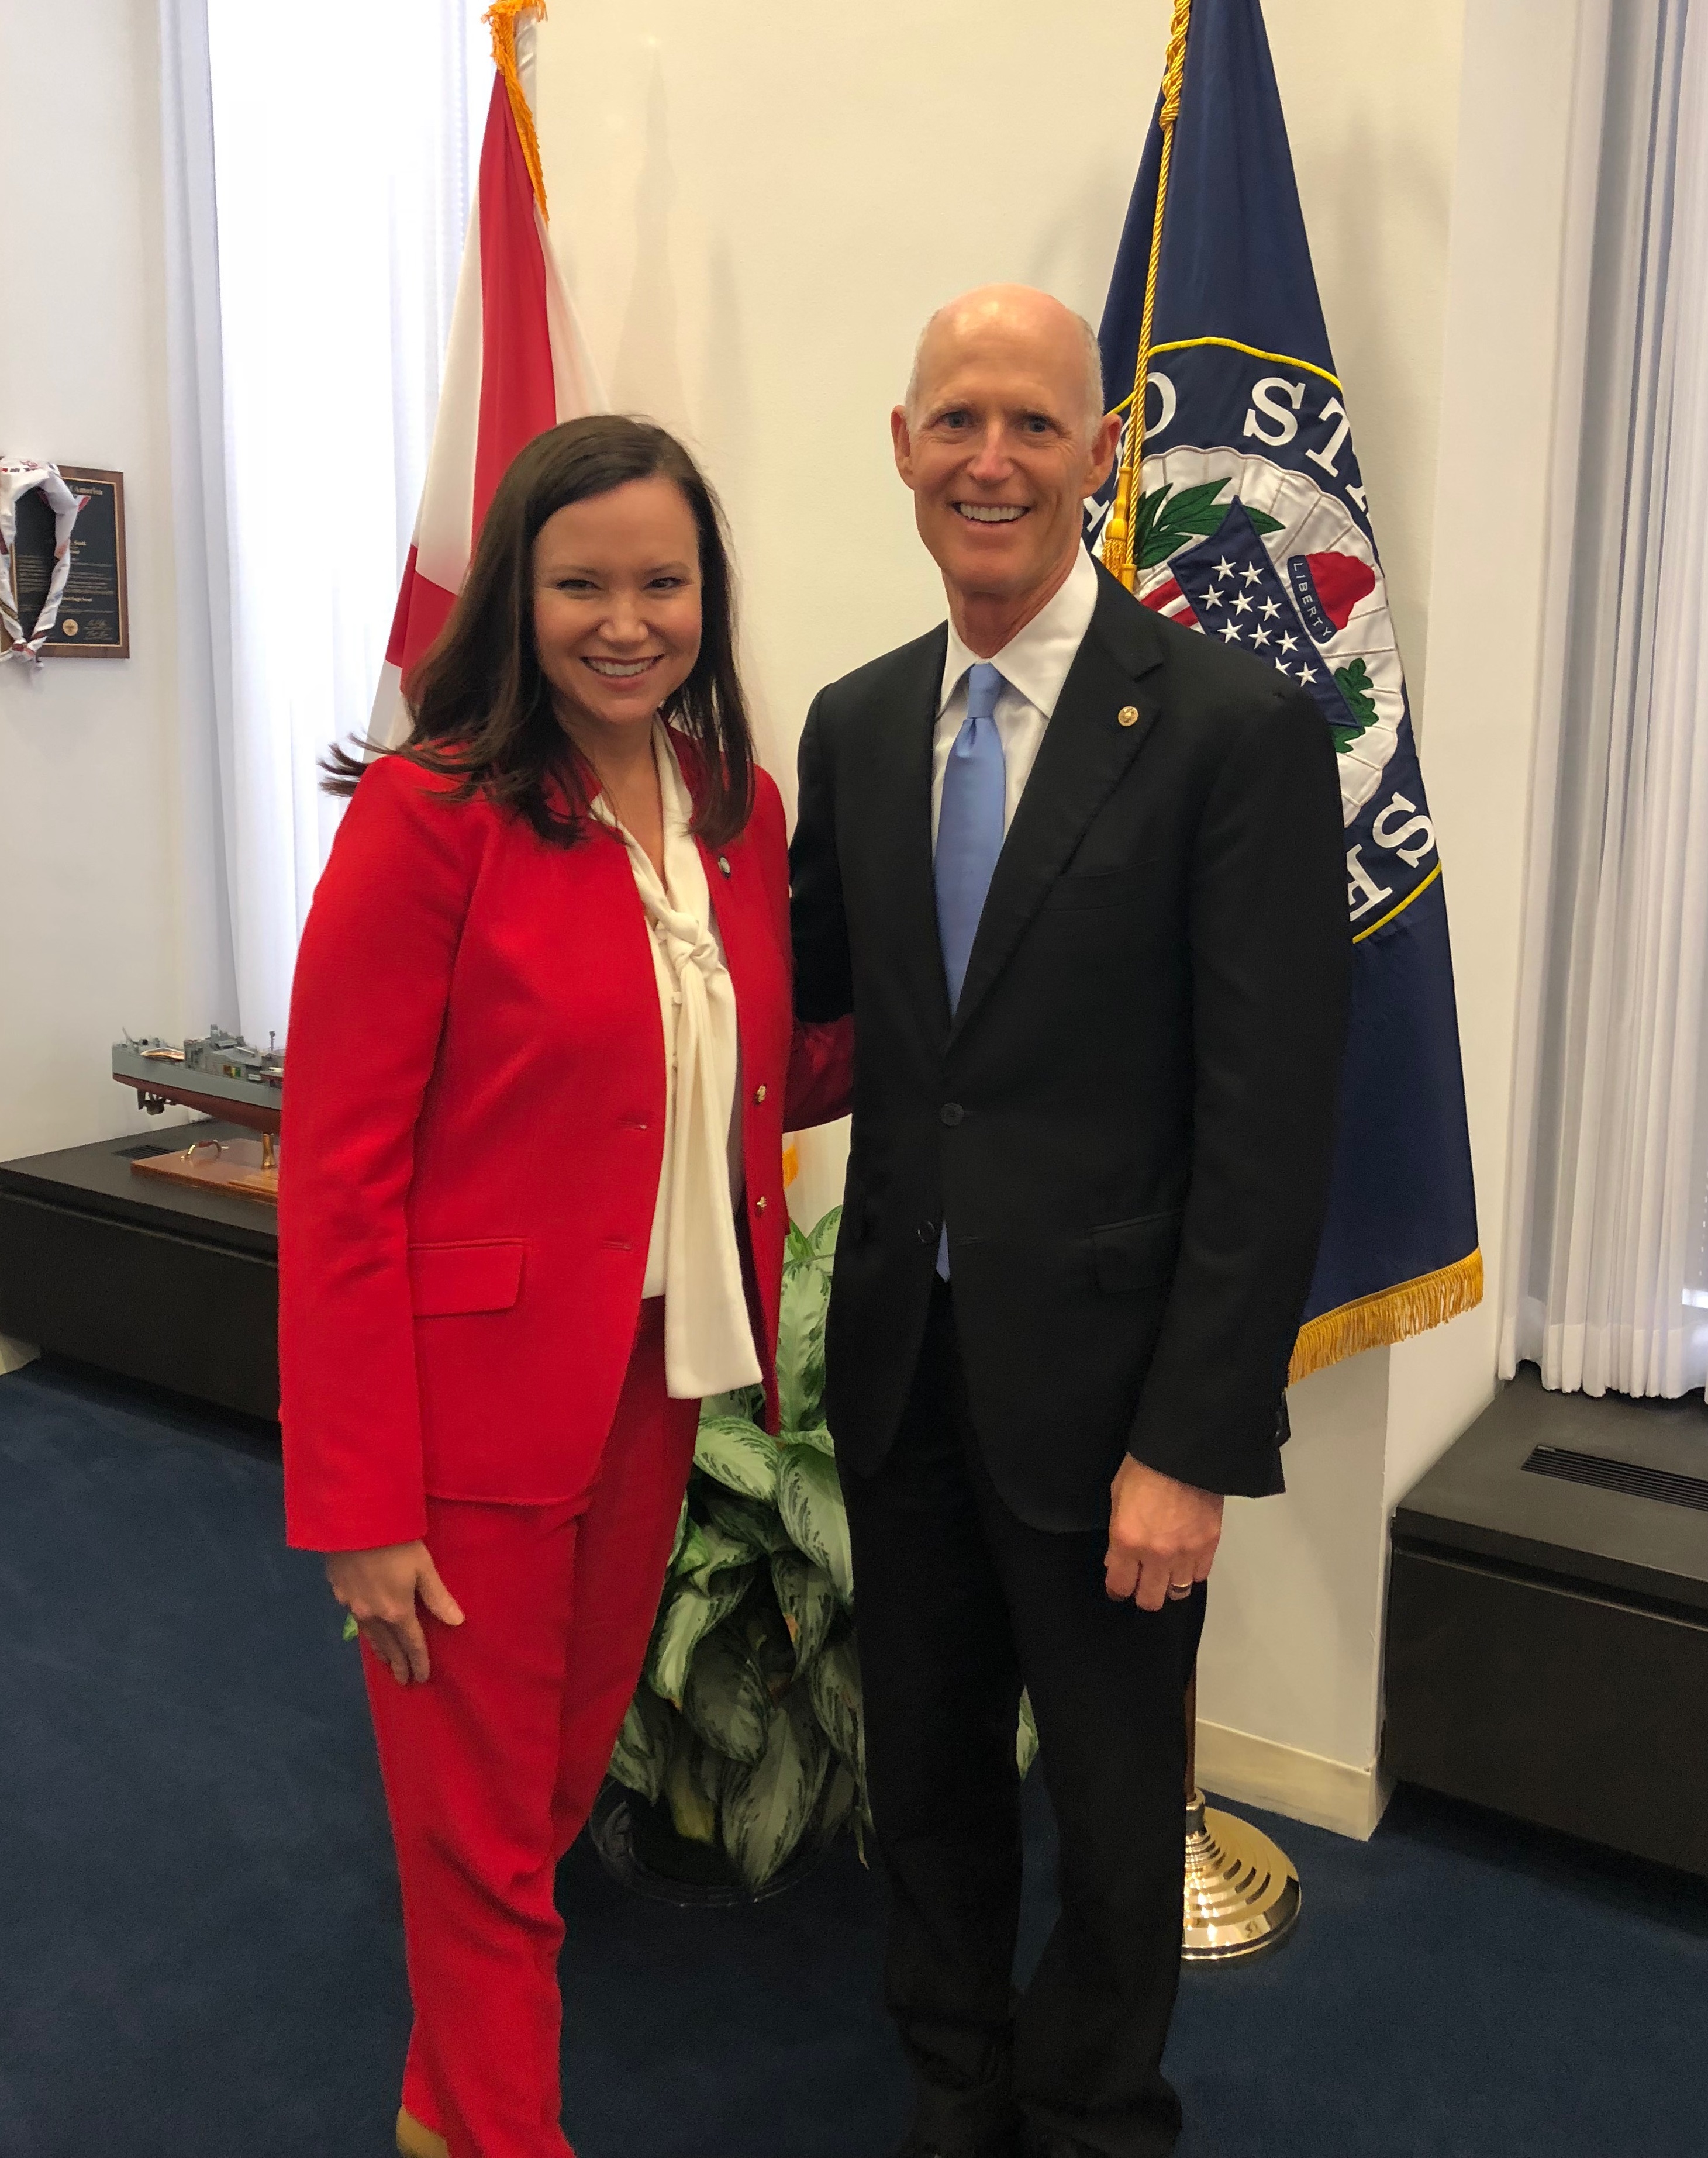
[1241, 1893]
[1117, 544]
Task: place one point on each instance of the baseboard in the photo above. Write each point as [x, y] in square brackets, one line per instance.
[15, 1355]
[1286, 1779]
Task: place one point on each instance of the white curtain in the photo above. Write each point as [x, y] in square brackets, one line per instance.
[1608, 1285]
[318, 163]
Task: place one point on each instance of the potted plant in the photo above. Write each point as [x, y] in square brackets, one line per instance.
[743, 1746]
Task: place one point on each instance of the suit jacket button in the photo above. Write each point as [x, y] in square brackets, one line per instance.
[1128, 715]
[926, 1232]
[759, 1204]
[724, 863]
[759, 1093]
[951, 1113]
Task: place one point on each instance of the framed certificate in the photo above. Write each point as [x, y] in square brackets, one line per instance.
[93, 610]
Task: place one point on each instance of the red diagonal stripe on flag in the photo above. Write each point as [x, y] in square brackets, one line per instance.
[518, 395]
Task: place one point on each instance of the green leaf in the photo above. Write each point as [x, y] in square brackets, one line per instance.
[1353, 683]
[834, 1684]
[738, 1454]
[723, 1551]
[767, 1810]
[767, 1637]
[797, 1246]
[809, 1499]
[1026, 1740]
[745, 1402]
[840, 1803]
[1191, 513]
[1143, 518]
[689, 1613]
[800, 1345]
[758, 1525]
[683, 1525]
[1262, 523]
[725, 1700]
[694, 1816]
[351, 1628]
[816, 1436]
[641, 1758]
[806, 1596]
[822, 1239]
[691, 1552]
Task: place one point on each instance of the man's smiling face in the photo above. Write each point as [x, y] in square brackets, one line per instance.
[1001, 441]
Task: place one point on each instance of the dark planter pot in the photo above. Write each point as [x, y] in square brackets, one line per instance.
[638, 1846]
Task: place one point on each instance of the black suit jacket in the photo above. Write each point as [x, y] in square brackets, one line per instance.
[1128, 1122]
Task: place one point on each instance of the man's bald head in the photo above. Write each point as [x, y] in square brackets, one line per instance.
[1012, 312]
[1003, 438]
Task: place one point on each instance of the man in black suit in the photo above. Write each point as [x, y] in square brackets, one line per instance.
[1078, 874]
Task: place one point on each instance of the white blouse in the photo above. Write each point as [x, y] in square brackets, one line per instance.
[693, 1261]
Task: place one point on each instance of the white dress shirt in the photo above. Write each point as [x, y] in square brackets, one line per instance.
[693, 1261]
[1033, 665]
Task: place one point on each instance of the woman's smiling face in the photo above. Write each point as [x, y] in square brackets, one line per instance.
[616, 604]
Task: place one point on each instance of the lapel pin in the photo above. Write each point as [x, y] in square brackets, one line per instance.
[1127, 715]
[724, 863]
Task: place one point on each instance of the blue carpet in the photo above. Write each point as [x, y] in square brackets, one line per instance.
[200, 1954]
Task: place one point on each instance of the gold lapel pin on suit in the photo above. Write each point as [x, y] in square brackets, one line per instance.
[1127, 716]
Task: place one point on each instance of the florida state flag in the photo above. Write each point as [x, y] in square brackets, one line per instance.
[516, 363]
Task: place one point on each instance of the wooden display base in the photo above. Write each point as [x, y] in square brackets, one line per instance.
[248, 1168]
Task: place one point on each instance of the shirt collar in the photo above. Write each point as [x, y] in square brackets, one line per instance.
[1036, 659]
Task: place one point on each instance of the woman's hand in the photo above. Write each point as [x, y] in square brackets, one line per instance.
[378, 1589]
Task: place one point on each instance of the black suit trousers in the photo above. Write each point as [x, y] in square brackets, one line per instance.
[960, 1605]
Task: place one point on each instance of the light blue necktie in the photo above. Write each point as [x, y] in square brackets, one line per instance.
[969, 838]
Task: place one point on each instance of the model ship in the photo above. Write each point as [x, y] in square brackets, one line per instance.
[218, 1073]
[223, 1076]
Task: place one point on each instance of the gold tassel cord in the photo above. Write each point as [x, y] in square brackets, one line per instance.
[500, 18]
[1117, 544]
[1393, 1314]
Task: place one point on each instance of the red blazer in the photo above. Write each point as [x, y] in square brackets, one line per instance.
[473, 1137]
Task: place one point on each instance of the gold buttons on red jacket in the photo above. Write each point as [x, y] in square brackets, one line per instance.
[759, 1204]
[759, 1093]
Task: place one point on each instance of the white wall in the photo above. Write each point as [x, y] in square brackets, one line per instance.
[756, 222]
[89, 894]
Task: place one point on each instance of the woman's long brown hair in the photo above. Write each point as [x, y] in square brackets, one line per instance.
[481, 708]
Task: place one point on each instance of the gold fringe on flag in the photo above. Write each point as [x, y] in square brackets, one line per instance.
[1117, 538]
[500, 18]
[1393, 1314]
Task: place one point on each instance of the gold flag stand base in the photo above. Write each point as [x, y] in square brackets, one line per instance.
[1242, 1891]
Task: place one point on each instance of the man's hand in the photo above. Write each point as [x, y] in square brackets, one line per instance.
[1162, 1535]
[378, 1589]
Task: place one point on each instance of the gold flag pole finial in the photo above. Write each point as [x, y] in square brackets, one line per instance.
[1118, 541]
[500, 18]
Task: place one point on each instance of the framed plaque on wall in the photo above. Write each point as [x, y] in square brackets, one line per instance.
[94, 617]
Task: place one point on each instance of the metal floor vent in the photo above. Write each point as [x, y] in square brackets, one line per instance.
[1664, 1484]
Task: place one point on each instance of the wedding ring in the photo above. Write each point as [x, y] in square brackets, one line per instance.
[1179, 1590]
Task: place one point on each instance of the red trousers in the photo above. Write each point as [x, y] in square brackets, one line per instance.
[492, 1767]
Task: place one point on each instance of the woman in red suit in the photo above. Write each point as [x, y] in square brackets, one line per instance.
[542, 1058]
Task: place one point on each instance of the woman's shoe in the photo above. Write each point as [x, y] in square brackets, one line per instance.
[414, 2141]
